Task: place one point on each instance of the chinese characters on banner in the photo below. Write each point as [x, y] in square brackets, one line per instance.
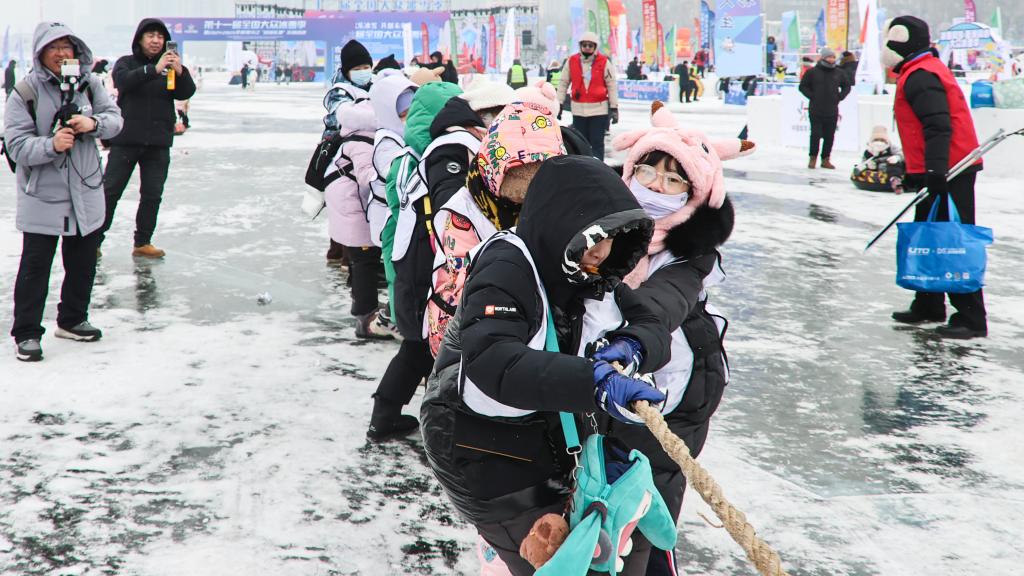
[650, 17]
[683, 49]
[837, 22]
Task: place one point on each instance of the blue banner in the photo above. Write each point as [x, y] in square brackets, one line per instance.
[646, 90]
[738, 40]
[819, 30]
[380, 32]
[707, 25]
[577, 22]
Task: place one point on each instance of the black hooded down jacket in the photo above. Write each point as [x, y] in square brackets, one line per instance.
[147, 106]
[497, 468]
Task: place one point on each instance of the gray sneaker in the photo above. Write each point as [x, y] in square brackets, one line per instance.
[29, 350]
[83, 332]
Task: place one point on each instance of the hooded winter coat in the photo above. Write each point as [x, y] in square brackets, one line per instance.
[348, 196]
[388, 145]
[411, 246]
[507, 458]
[682, 263]
[146, 104]
[59, 193]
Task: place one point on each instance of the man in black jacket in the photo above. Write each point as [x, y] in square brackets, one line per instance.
[147, 105]
[825, 86]
[683, 73]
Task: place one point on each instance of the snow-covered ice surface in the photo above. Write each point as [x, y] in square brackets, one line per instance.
[208, 434]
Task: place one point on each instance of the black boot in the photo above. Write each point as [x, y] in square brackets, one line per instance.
[387, 421]
[954, 332]
[914, 317]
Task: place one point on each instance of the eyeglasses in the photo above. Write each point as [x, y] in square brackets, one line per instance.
[588, 45]
[63, 47]
[671, 183]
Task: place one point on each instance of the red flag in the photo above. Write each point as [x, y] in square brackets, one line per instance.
[425, 36]
[492, 44]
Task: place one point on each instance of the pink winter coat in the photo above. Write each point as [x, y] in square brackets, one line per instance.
[346, 199]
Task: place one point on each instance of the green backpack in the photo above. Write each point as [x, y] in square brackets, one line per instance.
[603, 516]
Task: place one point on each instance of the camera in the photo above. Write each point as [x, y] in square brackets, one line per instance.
[70, 74]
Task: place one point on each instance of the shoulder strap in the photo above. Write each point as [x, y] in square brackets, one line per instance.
[572, 437]
[28, 94]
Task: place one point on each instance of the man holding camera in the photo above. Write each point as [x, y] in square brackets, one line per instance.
[148, 82]
[53, 119]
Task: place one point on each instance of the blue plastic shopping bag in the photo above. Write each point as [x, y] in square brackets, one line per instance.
[941, 256]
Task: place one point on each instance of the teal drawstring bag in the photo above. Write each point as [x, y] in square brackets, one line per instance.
[604, 515]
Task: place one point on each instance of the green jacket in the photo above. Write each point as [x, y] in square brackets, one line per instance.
[425, 105]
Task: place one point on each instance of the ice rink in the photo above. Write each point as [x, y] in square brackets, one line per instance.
[208, 434]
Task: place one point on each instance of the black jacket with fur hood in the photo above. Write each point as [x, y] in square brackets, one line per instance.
[674, 292]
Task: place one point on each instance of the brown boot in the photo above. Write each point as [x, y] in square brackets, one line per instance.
[148, 251]
[826, 164]
[812, 164]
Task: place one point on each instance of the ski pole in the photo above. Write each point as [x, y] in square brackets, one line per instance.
[955, 171]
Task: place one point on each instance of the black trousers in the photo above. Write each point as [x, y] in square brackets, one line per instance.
[407, 369]
[364, 267]
[153, 162]
[970, 308]
[684, 90]
[78, 254]
[506, 537]
[593, 129]
[823, 128]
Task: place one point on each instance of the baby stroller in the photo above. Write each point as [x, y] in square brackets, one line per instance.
[882, 168]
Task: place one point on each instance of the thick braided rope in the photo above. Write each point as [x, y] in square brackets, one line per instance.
[758, 551]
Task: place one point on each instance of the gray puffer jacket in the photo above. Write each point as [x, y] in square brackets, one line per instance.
[59, 194]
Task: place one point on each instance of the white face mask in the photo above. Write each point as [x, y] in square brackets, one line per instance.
[655, 204]
[360, 77]
[876, 147]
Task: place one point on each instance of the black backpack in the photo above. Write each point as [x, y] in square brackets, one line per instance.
[324, 154]
[28, 94]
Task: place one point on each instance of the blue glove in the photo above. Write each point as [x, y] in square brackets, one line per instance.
[624, 350]
[614, 392]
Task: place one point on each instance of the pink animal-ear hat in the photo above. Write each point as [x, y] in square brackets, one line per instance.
[700, 156]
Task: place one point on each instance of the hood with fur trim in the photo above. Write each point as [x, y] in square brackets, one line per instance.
[701, 159]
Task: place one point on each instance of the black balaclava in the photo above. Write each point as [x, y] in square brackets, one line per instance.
[906, 36]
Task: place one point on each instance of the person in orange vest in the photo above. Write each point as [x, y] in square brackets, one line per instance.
[937, 132]
[593, 91]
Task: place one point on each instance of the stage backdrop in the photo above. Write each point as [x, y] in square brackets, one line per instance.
[380, 32]
[738, 38]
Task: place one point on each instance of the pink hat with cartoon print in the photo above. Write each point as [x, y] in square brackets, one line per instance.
[524, 132]
[700, 157]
